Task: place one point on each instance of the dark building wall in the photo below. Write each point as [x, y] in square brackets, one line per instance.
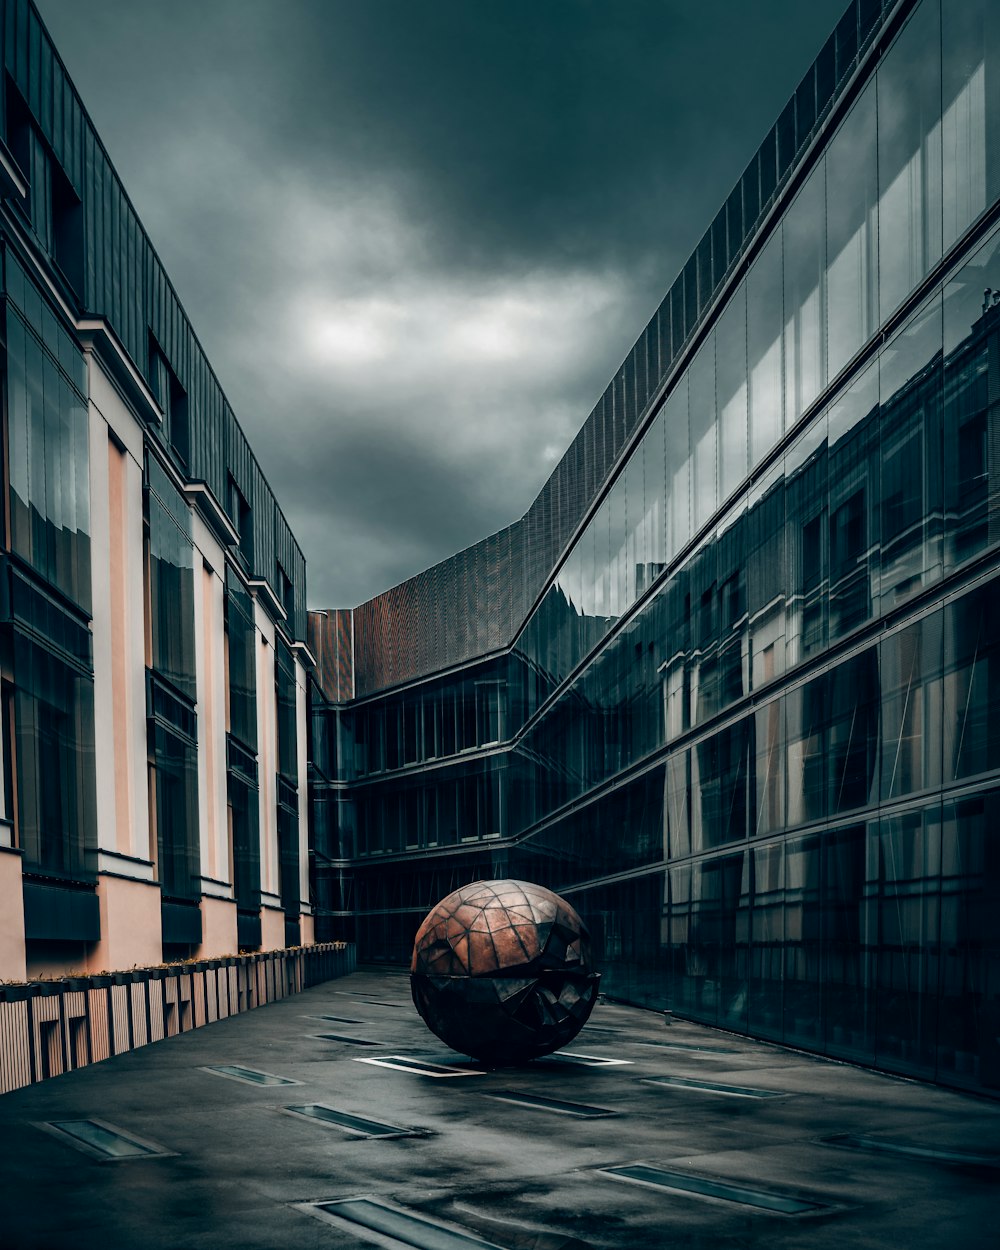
[747, 716]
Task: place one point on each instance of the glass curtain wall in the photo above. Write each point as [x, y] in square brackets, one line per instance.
[789, 739]
[813, 297]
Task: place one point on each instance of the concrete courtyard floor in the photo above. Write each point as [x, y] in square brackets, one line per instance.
[910, 1165]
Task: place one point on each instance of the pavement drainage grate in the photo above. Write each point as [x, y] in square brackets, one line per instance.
[372, 1002]
[714, 1087]
[420, 1067]
[578, 1109]
[249, 1076]
[353, 1124]
[335, 1019]
[695, 1050]
[103, 1141]
[905, 1151]
[368, 1217]
[705, 1187]
[341, 1037]
[576, 1060]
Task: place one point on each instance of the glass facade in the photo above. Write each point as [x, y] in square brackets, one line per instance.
[745, 726]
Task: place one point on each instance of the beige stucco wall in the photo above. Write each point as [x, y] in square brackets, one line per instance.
[218, 928]
[272, 929]
[130, 925]
[11, 917]
[116, 453]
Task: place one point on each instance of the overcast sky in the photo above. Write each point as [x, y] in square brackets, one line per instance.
[417, 238]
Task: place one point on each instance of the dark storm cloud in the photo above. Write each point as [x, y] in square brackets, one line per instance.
[417, 239]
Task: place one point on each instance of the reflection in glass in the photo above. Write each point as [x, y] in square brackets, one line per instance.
[967, 1003]
[908, 933]
[768, 815]
[764, 343]
[767, 940]
[241, 662]
[909, 157]
[910, 433]
[731, 393]
[635, 513]
[806, 542]
[618, 516]
[848, 925]
[972, 683]
[602, 560]
[766, 579]
[171, 582]
[852, 233]
[854, 504]
[677, 783]
[852, 741]
[674, 671]
[48, 436]
[53, 726]
[731, 612]
[678, 467]
[801, 998]
[654, 523]
[970, 342]
[719, 788]
[704, 432]
[969, 59]
[910, 665]
[804, 250]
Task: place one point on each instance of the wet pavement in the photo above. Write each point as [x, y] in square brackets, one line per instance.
[337, 1120]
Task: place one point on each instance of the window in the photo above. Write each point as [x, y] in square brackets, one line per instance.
[240, 515]
[286, 593]
[48, 449]
[52, 205]
[172, 398]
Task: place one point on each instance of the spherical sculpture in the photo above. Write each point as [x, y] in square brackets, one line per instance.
[501, 971]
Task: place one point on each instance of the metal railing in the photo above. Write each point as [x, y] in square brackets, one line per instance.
[51, 1027]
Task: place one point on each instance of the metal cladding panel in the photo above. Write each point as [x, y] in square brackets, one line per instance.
[585, 439]
[124, 282]
[343, 636]
[453, 612]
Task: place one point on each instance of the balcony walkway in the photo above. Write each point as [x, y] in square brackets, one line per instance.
[464, 1160]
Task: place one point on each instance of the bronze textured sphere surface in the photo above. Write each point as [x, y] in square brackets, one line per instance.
[501, 971]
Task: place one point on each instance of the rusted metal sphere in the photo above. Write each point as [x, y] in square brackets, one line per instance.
[502, 971]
